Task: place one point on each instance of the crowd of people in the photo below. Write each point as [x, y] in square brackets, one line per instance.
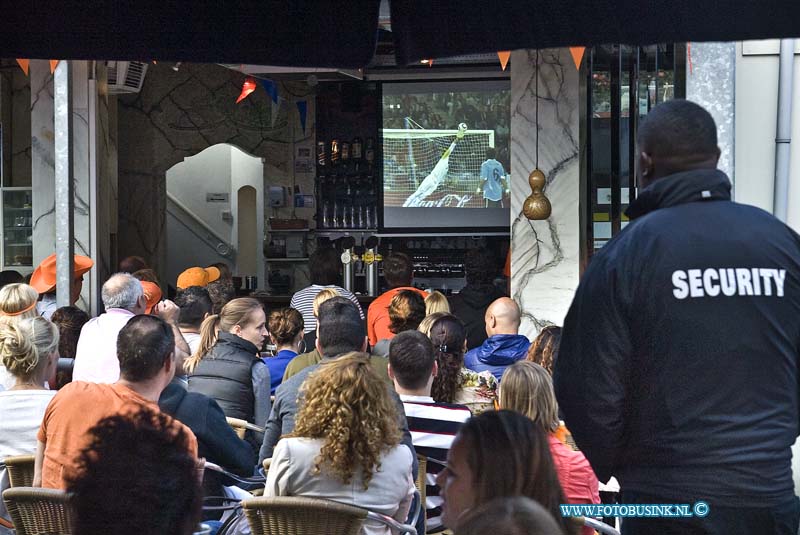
[357, 407]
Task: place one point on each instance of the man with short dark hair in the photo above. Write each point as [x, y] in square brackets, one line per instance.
[433, 425]
[146, 351]
[195, 306]
[340, 330]
[678, 366]
[325, 267]
[398, 270]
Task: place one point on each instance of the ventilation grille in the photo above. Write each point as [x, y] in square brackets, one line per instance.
[125, 76]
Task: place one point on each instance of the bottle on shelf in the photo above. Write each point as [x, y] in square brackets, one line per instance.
[322, 156]
[356, 149]
[369, 151]
[335, 152]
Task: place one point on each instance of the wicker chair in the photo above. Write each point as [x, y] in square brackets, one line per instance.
[36, 511]
[242, 426]
[302, 516]
[20, 470]
[295, 515]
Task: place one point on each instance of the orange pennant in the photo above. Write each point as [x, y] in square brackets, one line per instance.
[248, 87]
[24, 64]
[577, 55]
[53, 65]
[504, 56]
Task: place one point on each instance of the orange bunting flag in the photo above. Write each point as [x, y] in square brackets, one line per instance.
[248, 87]
[577, 55]
[53, 65]
[504, 56]
[24, 64]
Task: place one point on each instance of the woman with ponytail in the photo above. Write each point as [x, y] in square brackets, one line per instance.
[227, 365]
[454, 383]
[29, 351]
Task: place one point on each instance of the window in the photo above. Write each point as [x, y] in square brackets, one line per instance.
[622, 83]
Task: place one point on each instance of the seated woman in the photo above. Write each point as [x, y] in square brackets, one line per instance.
[544, 349]
[70, 321]
[406, 311]
[17, 302]
[499, 454]
[436, 302]
[454, 383]
[286, 332]
[528, 389]
[227, 365]
[346, 444]
[29, 351]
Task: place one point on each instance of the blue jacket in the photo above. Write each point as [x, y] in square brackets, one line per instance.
[497, 353]
[678, 366]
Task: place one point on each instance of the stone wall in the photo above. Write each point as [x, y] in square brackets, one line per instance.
[179, 114]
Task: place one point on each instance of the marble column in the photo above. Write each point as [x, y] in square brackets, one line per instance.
[545, 254]
[93, 142]
[711, 82]
[42, 160]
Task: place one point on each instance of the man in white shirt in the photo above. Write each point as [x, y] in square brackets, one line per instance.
[96, 355]
[433, 425]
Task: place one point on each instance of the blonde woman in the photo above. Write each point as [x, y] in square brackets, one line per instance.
[346, 445]
[527, 388]
[436, 302]
[227, 365]
[17, 302]
[29, 351]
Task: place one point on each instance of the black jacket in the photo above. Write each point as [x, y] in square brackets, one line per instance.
[216, 441]
[469, 305]
[225, 374]
[678, 367]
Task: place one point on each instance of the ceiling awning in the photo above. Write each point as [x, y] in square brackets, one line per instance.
[444, 28]
[343, 33]
[313, 33]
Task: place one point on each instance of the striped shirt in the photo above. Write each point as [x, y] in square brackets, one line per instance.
[303, 302]
[433, 427]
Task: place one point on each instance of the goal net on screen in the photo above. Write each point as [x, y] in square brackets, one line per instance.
[433, 167]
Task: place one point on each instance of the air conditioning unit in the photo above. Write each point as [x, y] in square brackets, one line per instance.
[125, 76]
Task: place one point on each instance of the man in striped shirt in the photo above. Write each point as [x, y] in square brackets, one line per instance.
[433, 426]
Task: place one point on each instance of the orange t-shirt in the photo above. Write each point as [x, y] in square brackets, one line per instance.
[378, 314]
[77, 408]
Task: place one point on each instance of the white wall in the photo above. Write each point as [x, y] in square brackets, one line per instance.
[218, 169]
[756, 119]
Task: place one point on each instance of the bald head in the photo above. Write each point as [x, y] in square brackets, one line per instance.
[502, 317]
[676, 136]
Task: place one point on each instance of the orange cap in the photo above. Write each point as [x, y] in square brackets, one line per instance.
[43, 279]
[197, 276]
[152, 293]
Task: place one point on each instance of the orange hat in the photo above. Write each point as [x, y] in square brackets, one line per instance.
[152, 293]
[197, 276]
[43, 279]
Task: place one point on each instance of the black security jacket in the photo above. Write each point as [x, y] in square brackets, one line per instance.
[678, 367]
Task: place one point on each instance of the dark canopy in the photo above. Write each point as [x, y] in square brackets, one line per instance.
[342, 33]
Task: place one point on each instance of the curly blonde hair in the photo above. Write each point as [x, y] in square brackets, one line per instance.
[346, 404]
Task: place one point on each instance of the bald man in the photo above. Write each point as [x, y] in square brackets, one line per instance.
[504, 345]
[680, 356]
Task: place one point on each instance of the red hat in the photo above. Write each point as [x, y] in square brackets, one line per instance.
[152, 292]
[43, 279]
